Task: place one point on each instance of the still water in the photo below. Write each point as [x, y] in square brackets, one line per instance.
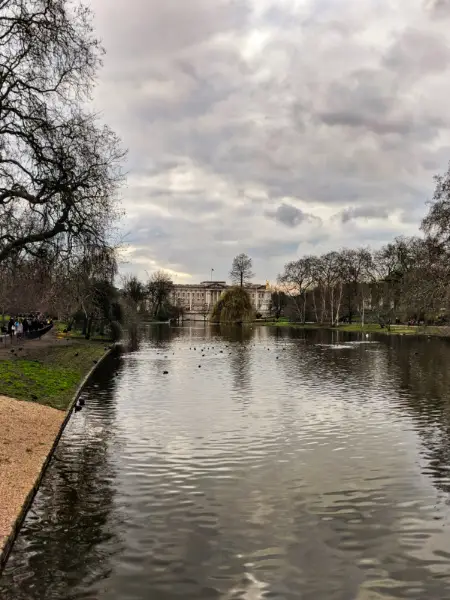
[267, 463]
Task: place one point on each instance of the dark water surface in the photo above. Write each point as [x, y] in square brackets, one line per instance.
[290, 465]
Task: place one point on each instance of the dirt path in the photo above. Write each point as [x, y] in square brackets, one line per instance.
[28, 431]
[26, 347]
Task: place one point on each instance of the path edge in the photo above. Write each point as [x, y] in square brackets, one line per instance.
[11, 538]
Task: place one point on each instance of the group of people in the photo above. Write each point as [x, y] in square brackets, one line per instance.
[20, 327]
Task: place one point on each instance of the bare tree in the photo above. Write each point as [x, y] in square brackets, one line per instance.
[296, 279]
[278, 302]
[426, 285]
[393, 264]
[327, 275]
[134, 292]
[89, 279]
[357, 269]
[241, 270]
[437, 222]
[59, 170]
[434, 279]
[160, 288]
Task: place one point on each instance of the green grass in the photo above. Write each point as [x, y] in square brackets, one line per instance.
[52, 376]
[283, 322]
[354, 327]
[59, 326]
[375, 328]
[76, 333]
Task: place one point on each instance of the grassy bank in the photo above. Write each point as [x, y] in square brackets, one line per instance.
[368, 328]
[76, 333]
[375, 328]
[47, 373]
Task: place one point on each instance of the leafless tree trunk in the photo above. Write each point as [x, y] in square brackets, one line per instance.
[315, 305]
[338, 303]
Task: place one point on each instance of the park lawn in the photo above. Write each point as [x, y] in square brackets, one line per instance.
[285, 323]
[76, 334]
[354, 327]
[375, 328]
[50, 375]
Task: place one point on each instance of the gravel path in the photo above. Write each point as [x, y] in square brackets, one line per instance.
[52, 338]
[27, 432]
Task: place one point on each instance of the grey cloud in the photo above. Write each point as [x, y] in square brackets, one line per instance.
[371, 100]
[413, 216]
[381, 126]
[434, 158]
[133, 29]
[438, 8]
[146, 234]
[289, 215]
[272, 249]
[417, 53]
[357, 121]
[362, 212]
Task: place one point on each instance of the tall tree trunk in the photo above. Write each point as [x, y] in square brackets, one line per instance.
[324, 306]
[89, 327]
[85, 325]
[338, 304]
[332, 304]
[315, 305]
[350, 297]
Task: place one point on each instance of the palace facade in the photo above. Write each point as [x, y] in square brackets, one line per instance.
[198, 299]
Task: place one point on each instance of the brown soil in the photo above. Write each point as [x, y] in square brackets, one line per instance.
[28, 431]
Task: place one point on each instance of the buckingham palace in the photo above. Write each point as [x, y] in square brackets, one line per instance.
[198, 299]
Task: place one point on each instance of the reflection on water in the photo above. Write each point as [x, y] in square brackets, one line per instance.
[266, 464]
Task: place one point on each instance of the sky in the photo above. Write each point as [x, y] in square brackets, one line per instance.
[277, 128]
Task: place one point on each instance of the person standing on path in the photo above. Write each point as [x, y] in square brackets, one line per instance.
[11, 328]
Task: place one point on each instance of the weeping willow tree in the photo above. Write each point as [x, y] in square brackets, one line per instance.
[234, 306]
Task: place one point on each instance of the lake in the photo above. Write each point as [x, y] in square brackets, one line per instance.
[267, 463]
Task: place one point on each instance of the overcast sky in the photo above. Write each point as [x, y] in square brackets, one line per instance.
[272, 127]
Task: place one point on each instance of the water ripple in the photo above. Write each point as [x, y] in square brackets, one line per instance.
[278, 469]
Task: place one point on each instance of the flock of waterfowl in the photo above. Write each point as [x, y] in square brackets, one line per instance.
[203, 355]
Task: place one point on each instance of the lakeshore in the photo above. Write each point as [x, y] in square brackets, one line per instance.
[432, 330]
[38, 381]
